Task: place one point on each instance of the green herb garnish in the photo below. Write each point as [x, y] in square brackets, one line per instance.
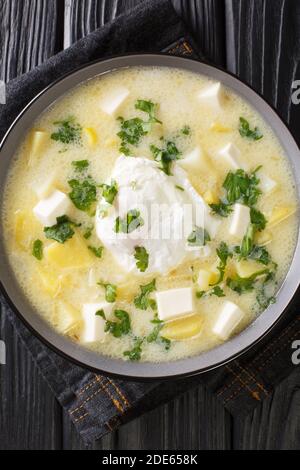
[155, 336]
[110, 292]
[179, 187]
[84, 193]
[80, 165]
[217, 291]
[221, 209]
[68, 132]
[166, 156]
[135, 353]
[261, 255]
[149, 108]
[142, 301]
[88, 232]
[198, 237]
[186, 130]
[242, 187]
[100, 313]
[37, 249]
[246, 131]
[97, 251]
[118, 329]
[109, 192]
[61, 231]
[134, 129]
[258, 219]
[247, 242]
[200, 294]
[242, 285]
[224, 254]
[131, 222]
[142, 258]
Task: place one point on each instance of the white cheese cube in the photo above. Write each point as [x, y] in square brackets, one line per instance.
[174, 303]
[239, 220]
[113, 100]
[193, 160]
[228, 319]
[94, 325]
[47, 210]
[213, 96]
[232, 156]
[44, 188]
[266, 184]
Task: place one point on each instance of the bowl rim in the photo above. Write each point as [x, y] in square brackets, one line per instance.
[93, 361]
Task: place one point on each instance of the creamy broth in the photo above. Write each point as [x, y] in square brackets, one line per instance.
[58, 292]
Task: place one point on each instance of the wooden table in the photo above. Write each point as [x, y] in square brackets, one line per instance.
[260, 41]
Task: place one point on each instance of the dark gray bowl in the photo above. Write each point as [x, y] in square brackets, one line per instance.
[78, 354]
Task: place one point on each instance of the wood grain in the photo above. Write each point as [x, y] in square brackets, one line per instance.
[29, 34]
[260, 41]
[30, 417]
[263, 49]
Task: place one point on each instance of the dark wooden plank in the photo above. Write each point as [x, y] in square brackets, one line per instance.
[276, 423]
[263, 49]
[194, 421]
[28, 34]
[30, 417]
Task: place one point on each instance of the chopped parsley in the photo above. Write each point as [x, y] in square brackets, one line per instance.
[134, 129]
[224, 254]
[222, 208]
[136, 352]
[179, 187]
[83, 194]
[241, 285]
[166, 156]
[142, 301]
[263, 297]
[247, 242]
[200, 294]
[242, 187]
[81, 165]
[68, 132]
[186, 130]
[148, 107]
[110, 191]
[131, 222]
[218, 291]
[155, 337]
[97, 251]
[120, 328]
[100, 313]
[88, 232]
[61, 231]
[110, 292]
[142, 258]
[246, 131]
[37, 249]
[258, 219]
[261, 255]
[198, 237]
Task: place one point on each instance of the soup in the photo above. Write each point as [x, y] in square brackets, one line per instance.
[150, 214]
